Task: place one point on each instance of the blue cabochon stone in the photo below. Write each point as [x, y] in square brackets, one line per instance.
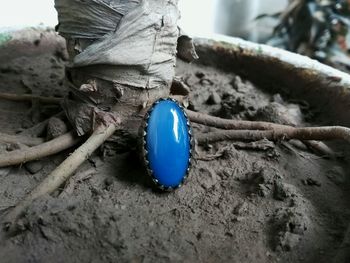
[168, 143]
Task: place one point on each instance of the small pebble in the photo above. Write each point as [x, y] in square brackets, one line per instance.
[241, 209]
[34, 166]
[191, 80]
[281, 192]
[36, 42]
[214, 98]
[311, 182]
[206, 82]
[55, 128]
[263, 190]
[200, 74]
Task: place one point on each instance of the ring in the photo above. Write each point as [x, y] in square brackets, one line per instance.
[167, 144]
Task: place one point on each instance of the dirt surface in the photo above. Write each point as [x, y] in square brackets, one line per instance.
[243, 202]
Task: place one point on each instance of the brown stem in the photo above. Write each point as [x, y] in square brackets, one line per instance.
[226, 124]
[217, 122]
[36, 152]
[62, 172]
[312, 133]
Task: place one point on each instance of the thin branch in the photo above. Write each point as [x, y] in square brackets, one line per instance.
[61, 173]
[26, 140]
[36, 152]
[286, 133]
[77, 178]
[29, 98]
[261, 145]
[227, 124]
[321, 148]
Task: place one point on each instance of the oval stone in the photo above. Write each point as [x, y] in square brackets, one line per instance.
[168, 143]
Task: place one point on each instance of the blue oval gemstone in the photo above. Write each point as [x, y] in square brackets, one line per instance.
[168, 143]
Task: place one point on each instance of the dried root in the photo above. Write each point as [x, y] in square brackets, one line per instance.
[234, 130]
[61, 173]
[336, 133]
[285, 133]
[226, 124]
[36, 152]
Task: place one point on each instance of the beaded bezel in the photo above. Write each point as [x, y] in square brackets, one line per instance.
[144, 144]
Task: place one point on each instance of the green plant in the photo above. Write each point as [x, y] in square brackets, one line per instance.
[316, 28]
[4, 37]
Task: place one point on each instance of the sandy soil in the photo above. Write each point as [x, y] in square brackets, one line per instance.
[261, 202]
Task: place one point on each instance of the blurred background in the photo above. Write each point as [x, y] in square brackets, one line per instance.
[229, 17]
[198, 17]
[16, 14]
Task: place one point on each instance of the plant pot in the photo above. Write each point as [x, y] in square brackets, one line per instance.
[235, 206]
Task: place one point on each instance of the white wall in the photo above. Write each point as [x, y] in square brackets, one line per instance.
[199, 17]
[19, 13]
[229, 17]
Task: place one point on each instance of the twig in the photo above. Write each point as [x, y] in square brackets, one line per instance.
[217, 122]
[36, 152]
[61, 173]
[262, 145]
[80, 177]
[26, 140]
[227, 124]
[285, 133]
[290, 148]
[321, 148]
[29, 98]
[209, 157]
